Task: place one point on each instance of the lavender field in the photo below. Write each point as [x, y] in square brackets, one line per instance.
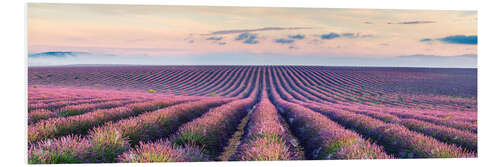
[110, 114]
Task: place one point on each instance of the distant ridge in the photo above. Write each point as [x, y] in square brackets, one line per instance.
[85, 65]
[439, 57]
[56, 54]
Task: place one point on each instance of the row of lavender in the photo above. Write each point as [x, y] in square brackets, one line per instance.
[359, 85]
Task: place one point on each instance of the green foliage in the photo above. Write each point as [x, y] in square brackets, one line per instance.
[191, 138]
[48, 157]
[36, 86]
[151, 91]
[335, 146]
[268, 137]
[213, 94]
[107, 144]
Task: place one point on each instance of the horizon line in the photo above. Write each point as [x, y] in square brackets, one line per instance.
[364, 66]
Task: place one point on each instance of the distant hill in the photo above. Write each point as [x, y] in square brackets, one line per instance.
[55, 54]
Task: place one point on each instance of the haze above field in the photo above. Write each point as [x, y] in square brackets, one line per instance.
[62, 34]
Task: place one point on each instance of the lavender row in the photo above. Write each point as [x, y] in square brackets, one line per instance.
[218, 84]
[162, 151]
[40, 114]
[192, 140]
[98, 148]
[188, 144]
[323, 138]
[459, 122]
[452, 115]
[79, 124]
[228, 83]
[208, 82]
[266, 138]
[280, 80]
[160, 123]
[397, 139]
[461, 138]
[213, 129]
[309, 91]
[106, 143]
[87, 107]
[56, 105]
[241, 84]
[241, 88]
[463, 125]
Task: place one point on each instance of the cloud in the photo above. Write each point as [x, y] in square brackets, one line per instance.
[349, 35]
[247, 38]
[330, 36]
[242, 36]
[214, 38]
[251, 40]
[426, 40]
[333, 35]
[298, 36]
[413, 22]
[284, 41]
[356, 35]
[255, 30]
[460, 39]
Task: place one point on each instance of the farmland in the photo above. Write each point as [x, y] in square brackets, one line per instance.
[79, 114]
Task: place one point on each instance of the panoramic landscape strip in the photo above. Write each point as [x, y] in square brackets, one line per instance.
[116, 83]
[220, 113]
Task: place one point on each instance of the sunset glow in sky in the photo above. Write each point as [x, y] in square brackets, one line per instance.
[190, 32]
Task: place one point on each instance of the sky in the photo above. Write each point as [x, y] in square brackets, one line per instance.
[61, 34]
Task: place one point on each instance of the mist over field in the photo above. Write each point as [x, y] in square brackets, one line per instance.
[81, 58]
